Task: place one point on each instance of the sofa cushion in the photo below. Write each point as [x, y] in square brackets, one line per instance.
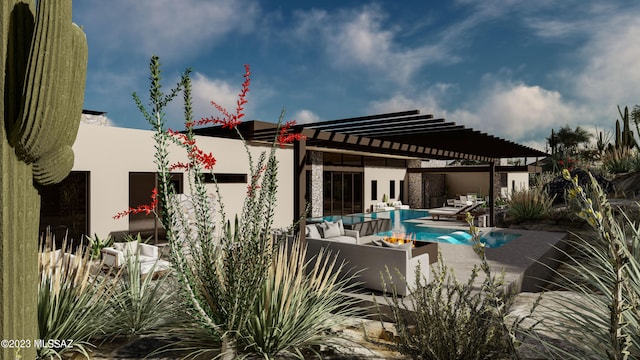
[343, 239]
[311, 231]
[330, 230]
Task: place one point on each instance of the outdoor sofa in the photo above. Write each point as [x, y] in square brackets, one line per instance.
[371, 261]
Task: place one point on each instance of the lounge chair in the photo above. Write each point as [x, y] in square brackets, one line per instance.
[450, 212]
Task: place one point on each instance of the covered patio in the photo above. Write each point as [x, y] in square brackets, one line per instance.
[407, 134]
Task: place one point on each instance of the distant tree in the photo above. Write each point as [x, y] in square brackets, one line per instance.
[568, 141]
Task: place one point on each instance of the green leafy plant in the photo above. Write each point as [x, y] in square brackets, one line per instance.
[601, 320]
[96, 245]
[533, 203]
[298, 305]
[73, 304]
[446, 319]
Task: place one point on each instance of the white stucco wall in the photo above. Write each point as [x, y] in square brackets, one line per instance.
[111, 153]
[383, 176]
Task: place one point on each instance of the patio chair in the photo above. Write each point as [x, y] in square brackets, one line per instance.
[452, 212]
[148, 255]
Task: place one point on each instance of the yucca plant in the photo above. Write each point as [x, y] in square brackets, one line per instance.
[533, 203]
[73, 304]
[446, 319]
[299, 303]
[601, 320]
[140, 304]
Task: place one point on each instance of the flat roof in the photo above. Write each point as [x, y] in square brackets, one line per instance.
[406, 133]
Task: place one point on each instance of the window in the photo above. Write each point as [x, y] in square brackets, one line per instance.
[224, 178]
[392, 189]
[401, 196]
[374, 189]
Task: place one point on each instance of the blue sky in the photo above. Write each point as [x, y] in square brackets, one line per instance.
[512, 68]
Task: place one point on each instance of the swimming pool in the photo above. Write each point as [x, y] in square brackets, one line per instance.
[403, 221]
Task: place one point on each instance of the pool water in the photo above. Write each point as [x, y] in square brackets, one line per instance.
[403, 222]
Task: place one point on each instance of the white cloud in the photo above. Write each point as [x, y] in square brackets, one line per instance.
[224, 93]
[612, 72]
[514, 111]
[166, 27]
[306, 116]
[360, 39]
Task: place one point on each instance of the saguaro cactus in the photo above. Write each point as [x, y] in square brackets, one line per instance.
[43, 65]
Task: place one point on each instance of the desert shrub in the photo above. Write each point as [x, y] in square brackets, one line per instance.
[73, 304]
[446, 319]
[139, 305]
[298, 305]
[224, 269]
[620, 160]
[603, 272]
[533, 203]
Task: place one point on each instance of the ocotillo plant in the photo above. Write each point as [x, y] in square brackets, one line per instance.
[43, 61]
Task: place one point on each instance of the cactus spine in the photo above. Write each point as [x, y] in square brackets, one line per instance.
[43, 68]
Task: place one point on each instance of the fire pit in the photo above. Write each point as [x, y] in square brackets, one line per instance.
[417, 247]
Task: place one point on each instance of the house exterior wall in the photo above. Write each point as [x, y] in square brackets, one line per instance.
[462, 183]
[111, 153]
[383, 176]
[516, 181]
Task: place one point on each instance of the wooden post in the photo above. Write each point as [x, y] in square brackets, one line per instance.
[300, 184]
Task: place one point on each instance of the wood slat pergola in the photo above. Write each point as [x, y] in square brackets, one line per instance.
[408, 134]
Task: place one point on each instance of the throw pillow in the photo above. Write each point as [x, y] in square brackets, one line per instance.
[312, 232]
[330, 230]
[341, 227]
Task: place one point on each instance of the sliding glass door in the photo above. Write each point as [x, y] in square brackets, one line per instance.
[342, 192]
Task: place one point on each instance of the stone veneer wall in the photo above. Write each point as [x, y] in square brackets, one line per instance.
[317, 191]
[434, 186]
[415, 185]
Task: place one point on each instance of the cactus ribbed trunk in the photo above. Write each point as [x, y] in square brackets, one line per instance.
[43, 62]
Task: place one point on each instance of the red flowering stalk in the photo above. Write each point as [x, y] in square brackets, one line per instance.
[229, 120]
[146, 208]
[285, 137]
[194, 153]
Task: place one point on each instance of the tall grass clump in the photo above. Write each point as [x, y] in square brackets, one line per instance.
[533, 203]
[73, 304]
[447, 319]
[601, 320]
[233, 284]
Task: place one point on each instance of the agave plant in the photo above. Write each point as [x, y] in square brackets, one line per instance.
[140, 304]
[73, 303]
[96, 244]
[299, 303]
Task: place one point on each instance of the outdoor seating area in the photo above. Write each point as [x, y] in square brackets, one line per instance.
[148, 255]
[369, 257]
